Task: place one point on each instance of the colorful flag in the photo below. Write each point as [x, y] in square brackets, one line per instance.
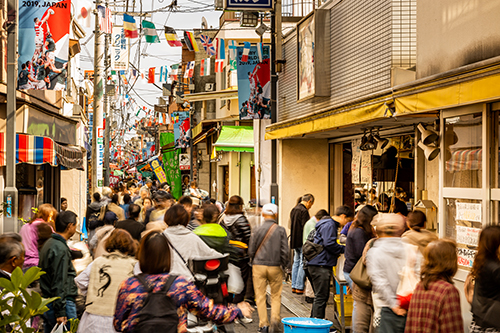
[124, 78]
[150, 32]
[83, 12]
[191, 41]
[163, 74]
[219, 65]
[129, 26]
[259, 51]
[221, 49]
[171, 37]
[175, 71]
[232, 55]
[246, 51]
[151, 75]
[205, 67]
[208, 45]
[191, 68]
[104, 14]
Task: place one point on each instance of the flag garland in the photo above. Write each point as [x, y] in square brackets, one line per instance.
[219, 65]
[171, 37]
[129, 26]
[190, 41]
[151, 75]
[208, 45]
[175, 71]
[246, 52]
[105, 19]
[150, 32]
[205, 67]
[221, 49]
[189, 72]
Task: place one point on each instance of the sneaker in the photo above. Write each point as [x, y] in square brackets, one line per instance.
[299, 291]
[264, 329]
[246, 320]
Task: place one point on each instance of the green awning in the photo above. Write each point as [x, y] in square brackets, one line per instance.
[235, 138]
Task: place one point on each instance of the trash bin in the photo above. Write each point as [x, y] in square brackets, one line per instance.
[306, 325]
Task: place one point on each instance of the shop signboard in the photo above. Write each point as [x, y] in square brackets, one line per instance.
[254, 84]
[467, 211]
[182, 129]
[466, 257]
[119, 50]
[43, 44]
[247, 5]
[157, 168]
[114, 180]
[468, 236]
[184, 162]
[100, 156]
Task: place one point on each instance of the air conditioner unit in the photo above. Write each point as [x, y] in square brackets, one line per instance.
[209, 86]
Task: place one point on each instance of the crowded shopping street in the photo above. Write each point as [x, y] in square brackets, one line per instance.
[265, 166]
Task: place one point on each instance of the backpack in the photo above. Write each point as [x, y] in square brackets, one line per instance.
[310, 249]
[159, 311]
[94, 220]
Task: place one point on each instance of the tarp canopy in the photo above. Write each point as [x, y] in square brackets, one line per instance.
[235, 138]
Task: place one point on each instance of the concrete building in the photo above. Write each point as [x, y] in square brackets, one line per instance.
[380, 69]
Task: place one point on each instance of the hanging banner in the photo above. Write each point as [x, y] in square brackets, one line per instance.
[171, 165]
[254, 83]
[100, 156]
[182, 129]
[119, 50]
[157, 168]
[43, 44]
[184, 162]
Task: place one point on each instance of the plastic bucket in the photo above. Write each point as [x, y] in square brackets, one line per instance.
[306, 325]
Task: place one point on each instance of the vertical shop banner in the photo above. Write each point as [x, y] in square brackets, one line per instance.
[184, 162]
[182, 129]
[356, 161]
[100, 156]
[119, 50]
[157, 168]
[254, 84]
[171, 165]
[43, 44]
[306, 35]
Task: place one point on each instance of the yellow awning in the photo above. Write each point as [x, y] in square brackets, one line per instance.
[429, 96]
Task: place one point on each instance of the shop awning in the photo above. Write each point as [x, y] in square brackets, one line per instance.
[235, 138]
[209, 95]
[38, 150]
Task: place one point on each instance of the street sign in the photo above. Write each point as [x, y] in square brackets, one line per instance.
[249, 5]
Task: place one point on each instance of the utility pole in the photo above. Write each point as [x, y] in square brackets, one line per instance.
[109, 118]
[274, 116]
[99, 83]
[10, 192]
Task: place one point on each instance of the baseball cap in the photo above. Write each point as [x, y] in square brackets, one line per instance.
[270, 209]
[388, 221]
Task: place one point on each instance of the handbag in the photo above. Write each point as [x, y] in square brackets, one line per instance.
[407, 278]
[359, 275]
[469, 288]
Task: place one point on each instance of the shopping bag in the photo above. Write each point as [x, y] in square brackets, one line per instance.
[235, 282]
[408, 279]
[340, 268]
[59, 328]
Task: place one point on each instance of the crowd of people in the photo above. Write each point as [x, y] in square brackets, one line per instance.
[400, 275]
[140, 279]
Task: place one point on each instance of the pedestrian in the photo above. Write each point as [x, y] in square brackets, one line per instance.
[11, 254]
[107, 193]
[59, 278]
[417, 234]
[435, 303]
[126, 203]
[155, 262]
[186, 244]
[114, 207]
[195, 193]
[239, 230]
[134, 191]
[96, 244]
[143, 194]
[64, 204]
[92, 215]
[147, 204]
[212, 233]
[162, 201]
[358, 235]
[308, 227]
[148, 187]
[298, 218]
[269, 254]
[132, 224]
[384, 261]
[36, 232]
[321, 266]
[486, 274]
[101, 280]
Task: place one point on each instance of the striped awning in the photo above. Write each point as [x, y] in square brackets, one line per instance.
[38, 150]
[466, 159]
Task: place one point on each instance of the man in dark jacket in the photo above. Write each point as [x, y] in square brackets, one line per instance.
[59, 280]
[11, 254]
[320, 267]
[267, 266]
[92, 215]
[134, 227]
[298, 218]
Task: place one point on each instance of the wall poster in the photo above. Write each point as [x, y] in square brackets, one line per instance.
[306, 73]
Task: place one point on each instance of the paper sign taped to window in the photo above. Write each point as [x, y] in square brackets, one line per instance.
[466, 257]
[467, 236]
[468, 211]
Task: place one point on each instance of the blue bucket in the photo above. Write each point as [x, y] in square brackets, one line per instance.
[306, 325]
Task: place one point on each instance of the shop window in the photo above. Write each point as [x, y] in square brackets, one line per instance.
[463, 223]
[463, 151]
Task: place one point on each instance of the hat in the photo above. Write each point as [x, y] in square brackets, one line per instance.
[110, 217]
[388, 221]
[270, 209]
